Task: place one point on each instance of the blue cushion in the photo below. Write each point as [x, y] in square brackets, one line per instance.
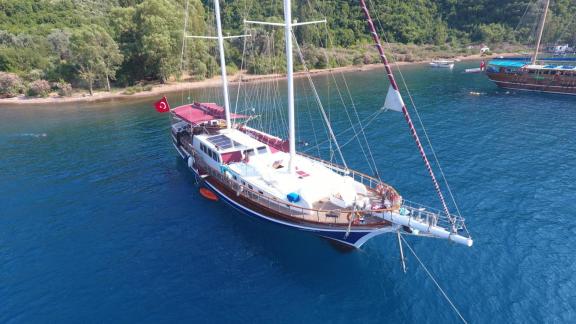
[293, 197]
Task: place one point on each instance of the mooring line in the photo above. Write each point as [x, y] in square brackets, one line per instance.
[434, 280]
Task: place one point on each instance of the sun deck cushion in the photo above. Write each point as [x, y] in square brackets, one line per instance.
[293, 197]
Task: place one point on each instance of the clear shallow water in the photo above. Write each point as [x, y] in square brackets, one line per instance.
[100, 222]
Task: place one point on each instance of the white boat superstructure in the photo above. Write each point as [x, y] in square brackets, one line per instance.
[255, 165]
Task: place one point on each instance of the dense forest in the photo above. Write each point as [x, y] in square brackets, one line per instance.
[48, 45]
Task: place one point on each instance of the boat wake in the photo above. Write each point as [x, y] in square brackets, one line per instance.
[35, 135]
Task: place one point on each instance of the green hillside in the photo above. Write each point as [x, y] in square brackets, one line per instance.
[98, 43]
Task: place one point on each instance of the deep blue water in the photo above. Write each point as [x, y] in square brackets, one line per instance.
[100, 222]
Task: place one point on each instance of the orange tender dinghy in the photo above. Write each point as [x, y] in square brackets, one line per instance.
[208, 194]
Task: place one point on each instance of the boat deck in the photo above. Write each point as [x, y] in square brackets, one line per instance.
[322, 211]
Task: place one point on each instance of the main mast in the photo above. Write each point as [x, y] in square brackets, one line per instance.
[290, 81]
[288, 25]
[222, 63]
[220, 38]
[540, 31]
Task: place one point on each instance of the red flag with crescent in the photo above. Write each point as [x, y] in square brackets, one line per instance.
[162, 105]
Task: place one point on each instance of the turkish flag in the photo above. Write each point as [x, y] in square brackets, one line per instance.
[162, 105]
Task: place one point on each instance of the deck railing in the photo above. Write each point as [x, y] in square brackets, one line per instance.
[418, 211]
[430, 215]
[323, 216]
[423, 213]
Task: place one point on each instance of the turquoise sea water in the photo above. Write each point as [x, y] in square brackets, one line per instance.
[101, 223]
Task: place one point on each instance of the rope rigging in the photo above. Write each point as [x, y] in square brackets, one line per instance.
[434, 280]
[319, 102]
[369, 160]
[273, 119]
[266, 96]
[436, 160]
[365, 123]
[405, 112]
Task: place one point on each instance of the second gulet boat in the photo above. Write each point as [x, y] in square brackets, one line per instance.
[538, 75]
[263, 176]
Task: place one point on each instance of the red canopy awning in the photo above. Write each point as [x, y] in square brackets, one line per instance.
[197, 113]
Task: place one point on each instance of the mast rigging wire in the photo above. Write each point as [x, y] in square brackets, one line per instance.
[319, 101]
[435, 282]
[437, 161]
[183, 47]
[371, 161]
[366, 122]
[405, 111]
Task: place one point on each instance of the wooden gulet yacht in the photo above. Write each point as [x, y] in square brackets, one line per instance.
[556, 76]
[263, 176]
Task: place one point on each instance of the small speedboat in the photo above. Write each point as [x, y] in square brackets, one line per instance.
[473, 70]
[448, 64]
